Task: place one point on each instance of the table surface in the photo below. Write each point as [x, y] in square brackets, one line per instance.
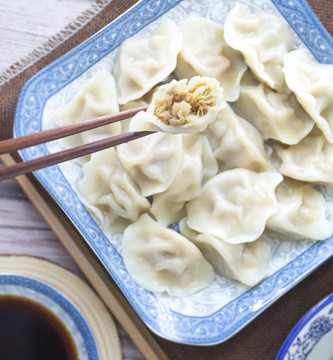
[25, 25]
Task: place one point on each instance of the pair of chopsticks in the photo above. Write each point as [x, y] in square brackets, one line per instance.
[25, 141]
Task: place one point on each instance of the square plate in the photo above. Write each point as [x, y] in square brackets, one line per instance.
[223, 308]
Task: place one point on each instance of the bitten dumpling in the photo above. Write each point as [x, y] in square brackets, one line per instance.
[108, 190]
[263, 39]
[234, 205]
[277, 116]
[245, 262]
[152, 162]
[181, 107]
[98, 97]
[204, 52]
[142, 63]
[301, 212]
[312, 84]
[160, 259]
[310, 160]
[236, 143]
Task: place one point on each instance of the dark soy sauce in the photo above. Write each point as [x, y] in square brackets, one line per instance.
[29, 331]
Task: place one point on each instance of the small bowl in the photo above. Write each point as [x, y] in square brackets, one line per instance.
[44, 297]
[312, 337]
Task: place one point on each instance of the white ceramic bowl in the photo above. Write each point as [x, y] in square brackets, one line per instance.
[312, 337]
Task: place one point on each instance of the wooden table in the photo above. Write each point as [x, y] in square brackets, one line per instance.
[24, 25]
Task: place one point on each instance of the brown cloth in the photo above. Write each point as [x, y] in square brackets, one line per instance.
[264, 336]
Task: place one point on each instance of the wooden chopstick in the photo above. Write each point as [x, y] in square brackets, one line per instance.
[68, 154]
[41, 137]
[22, 142]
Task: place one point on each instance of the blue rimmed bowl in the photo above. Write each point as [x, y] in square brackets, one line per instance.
[312, 337]
[55, 302]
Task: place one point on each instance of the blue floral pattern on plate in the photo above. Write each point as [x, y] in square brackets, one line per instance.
[59, 305]
[312, 337]
[219, 311]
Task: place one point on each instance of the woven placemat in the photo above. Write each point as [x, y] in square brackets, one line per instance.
[261, 339]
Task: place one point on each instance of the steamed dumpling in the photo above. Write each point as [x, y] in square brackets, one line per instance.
[168, 207]
[160, 259]
[184, 106]
[309, 160]
[236, 143]
[152, 162]
[128, 106]
[245, 262]
[263, 39]
[204, 52]
[301, 212]
[209, 163]
[108, 190]
[98, 97]
[312, 84]
[277, 116]
[234, 205]
[142, 63]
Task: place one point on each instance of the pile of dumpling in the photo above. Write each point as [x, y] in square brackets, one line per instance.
[247, 173]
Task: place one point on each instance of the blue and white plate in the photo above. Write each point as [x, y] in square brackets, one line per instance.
[63, 309]
[312, 337]
[222, 309]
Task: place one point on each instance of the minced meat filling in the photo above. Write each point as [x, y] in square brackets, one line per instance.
[180, 105]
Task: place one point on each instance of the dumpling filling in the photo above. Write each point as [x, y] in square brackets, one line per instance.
[180, 103]
[184, 106]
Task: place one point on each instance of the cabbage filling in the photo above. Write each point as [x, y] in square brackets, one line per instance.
[181, 104]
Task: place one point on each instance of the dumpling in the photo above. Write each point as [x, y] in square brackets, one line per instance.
[168, 207]
[109, 191]
[301, 212]
[234, 205]
[204, 52]
[184, 106]
[128, 106]
[152, 162]
[263, 39]
[312, 84]
[245, 262]
[209, 163]
[98, 97]
[236, 143]
[160, 259]
[142, 63]
[309, 160]
[277, 116]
